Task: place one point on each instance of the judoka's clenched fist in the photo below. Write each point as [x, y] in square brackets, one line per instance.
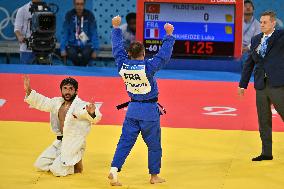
[91, 108]
[27, 86]
[169, 28]
[116, 21]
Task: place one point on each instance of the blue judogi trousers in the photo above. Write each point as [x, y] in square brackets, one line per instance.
[151, 134]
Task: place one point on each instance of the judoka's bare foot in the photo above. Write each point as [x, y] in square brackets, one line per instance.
[155, 179]
[78, 167]
[113, 181]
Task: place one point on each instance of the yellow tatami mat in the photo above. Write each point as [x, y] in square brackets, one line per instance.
[192, 159]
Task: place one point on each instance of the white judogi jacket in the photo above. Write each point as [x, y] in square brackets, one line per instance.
[77, 124]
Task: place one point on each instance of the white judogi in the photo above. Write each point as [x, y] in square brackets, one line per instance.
[61, 156]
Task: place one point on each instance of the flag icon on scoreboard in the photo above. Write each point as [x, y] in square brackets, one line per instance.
[153, 8]
[152, 33]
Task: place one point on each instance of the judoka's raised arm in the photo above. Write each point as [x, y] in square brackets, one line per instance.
[35, 99]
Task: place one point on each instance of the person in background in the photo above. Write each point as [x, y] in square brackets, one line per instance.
[129, 29]
[79, 41]
[22, 30]
[251, 27]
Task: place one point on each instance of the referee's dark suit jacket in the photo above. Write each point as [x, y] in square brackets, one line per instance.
[272, 64]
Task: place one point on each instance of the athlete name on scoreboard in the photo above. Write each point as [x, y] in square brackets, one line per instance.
[188, 7]
[195, 37]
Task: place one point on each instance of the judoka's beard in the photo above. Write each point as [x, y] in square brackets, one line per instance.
[68, 97]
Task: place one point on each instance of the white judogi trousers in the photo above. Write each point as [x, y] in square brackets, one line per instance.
[50, 160]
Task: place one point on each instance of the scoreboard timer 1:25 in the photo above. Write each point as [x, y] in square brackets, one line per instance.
[203, 28]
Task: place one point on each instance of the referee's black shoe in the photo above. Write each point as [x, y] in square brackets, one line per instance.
[262, 157]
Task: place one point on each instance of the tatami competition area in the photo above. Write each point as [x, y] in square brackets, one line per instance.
[209, 134]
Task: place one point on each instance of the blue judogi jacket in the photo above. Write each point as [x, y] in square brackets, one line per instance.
[139, 76]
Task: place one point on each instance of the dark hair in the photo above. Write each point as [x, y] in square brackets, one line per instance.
[130, 16]
[250, 2]
[136, 49]
[272, 14]
[70, 81]
[84, 1]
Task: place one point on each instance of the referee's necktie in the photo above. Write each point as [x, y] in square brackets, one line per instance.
[263, 46]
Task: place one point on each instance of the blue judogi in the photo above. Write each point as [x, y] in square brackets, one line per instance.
[141, 85]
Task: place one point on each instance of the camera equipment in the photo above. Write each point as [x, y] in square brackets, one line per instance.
[43, 27]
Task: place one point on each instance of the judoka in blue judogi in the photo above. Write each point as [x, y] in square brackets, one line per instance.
[143, 114]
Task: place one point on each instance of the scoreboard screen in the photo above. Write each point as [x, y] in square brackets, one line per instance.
[203, 28]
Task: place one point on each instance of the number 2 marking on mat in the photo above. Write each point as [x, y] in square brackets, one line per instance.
[2, 102]
[224, 112]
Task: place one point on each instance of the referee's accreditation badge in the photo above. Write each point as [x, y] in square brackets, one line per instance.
[135, 79]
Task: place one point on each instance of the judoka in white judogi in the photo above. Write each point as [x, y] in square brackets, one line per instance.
[64, 153]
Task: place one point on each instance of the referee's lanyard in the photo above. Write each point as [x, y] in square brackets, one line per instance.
[79, 29]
